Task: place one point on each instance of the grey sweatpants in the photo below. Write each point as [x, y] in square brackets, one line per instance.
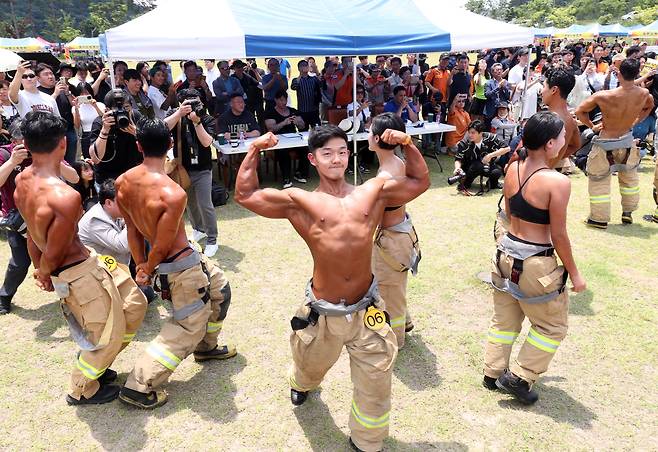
[199, 204]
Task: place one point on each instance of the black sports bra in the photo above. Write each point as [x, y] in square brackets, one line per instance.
[522, 209]
[390, 209]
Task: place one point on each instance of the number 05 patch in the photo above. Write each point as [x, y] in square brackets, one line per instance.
[109, 262]
[374, 319]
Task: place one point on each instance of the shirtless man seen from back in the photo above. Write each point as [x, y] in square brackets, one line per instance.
[90, 294]
[153, 206]
[614, 149]
[342, 307]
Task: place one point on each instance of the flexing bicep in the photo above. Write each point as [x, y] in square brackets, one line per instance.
[586, 106]
[401, 190]
[270, 203]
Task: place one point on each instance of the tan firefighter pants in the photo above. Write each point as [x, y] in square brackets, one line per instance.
[100, 300]
[179, 338]
[598, 169]
[398, 248]
[655, 188]
[316, 348]
[541, 275]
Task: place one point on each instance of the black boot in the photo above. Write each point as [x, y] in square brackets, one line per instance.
[5, 306]
[298, 397]
[108, 377]
[353, 446]
[146, 401]
[223, 352]
[104, 394]
[489, 383]
[518, 387]
[596, 224]
[627, 218]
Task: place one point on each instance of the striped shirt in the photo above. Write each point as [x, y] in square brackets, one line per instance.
[308, 93]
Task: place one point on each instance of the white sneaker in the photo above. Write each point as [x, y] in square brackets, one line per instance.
[198, 235]
[211, 250]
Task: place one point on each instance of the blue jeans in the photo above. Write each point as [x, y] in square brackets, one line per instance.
[644, 128]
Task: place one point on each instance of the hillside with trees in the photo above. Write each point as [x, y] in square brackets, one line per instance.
[63, 20]
[562, 13]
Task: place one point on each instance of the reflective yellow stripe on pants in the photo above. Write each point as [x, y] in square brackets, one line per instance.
[629, 190]
[214, 327]
[88, 370]
[367, 421]
[501, 337]
[398, 322]
[542, 342]
[128, 337]
[163, 356]
[599, 199]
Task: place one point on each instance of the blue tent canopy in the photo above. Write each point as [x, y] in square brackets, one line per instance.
[613, 30]
[285, 28]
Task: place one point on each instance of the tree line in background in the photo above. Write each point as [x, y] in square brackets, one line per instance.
[63, 20]
[563, 13]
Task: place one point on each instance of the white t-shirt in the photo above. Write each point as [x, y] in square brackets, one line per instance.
[515, 77]
[8, 111]
[211, 75]
[38, 101]
[157, 98]
[365, 114]
[88, 113]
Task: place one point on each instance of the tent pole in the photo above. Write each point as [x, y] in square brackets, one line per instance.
[354, 131]
[524, 97]
[113, 81]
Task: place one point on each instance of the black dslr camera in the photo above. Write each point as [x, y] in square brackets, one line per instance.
[197, 106]
[456, 178]
[121, 118]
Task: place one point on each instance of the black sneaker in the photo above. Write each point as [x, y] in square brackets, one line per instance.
[5, 306]
[105, 394]
[287, 183]
[408, 326]
[518, 387]
[146, 401]
[650, 218]
[108, 377]
[223, 352]
[298, 397]
[596, 224]
[489, 383]
[299, 178]
[627, 218]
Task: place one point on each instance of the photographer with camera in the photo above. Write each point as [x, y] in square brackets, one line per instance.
[476, 155]
[193, 130]
[114, 148]
[85, 111]
[139, 100]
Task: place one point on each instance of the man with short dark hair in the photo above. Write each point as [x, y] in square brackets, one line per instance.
[401, 105]
[194, 79]
[614, 148]
[193, 131]
[136, 96]
[273, 82]
[342, 307]
[558, 84]
[253, 93]
[633, 51]
[153, 206]
[438, 80]
[476, 155]
[497, 91]
[308, 95]
[460, 79]
[224, 86]
[91, 289]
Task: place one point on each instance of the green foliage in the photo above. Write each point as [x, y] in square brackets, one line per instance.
[562, 13]
[63, 20]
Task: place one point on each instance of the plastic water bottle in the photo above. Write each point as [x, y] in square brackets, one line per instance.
[241, 138]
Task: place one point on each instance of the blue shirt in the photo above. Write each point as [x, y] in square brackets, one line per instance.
[392, 107]
[269, 94]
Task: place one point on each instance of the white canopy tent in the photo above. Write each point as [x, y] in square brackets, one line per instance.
[281, 28]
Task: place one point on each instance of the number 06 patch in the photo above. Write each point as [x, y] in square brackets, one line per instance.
[374, 319]
[109, 262]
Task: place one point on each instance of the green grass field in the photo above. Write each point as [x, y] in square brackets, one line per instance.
[599, 394]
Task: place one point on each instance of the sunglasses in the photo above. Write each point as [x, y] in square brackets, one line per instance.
[26, 76]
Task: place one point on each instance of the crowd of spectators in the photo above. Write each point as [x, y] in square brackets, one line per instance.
[232, 100]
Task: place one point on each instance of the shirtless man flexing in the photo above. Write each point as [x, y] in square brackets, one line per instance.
[614, 148]
[101, 303]
[342, 306]
[557, 86]
[153, 206]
